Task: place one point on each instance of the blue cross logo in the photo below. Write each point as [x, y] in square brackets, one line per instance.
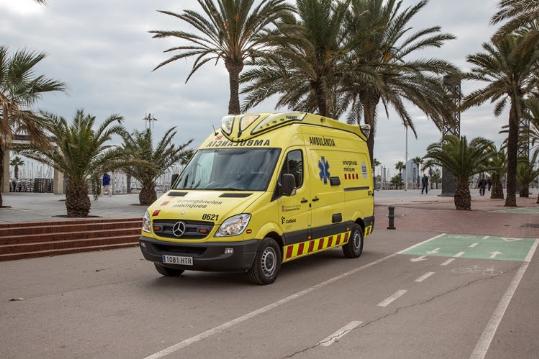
[323, 164]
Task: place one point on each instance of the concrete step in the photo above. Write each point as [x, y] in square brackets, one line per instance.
[45, 228]
[63, 236]
[54, 252]
[66, 244]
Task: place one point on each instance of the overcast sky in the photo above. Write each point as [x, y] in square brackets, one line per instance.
[102, 50]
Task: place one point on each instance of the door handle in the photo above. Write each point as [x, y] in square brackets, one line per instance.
[304, 200]
[315, 199]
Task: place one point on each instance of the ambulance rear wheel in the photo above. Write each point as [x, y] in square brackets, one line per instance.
[354, 247]
[168, 272]
[267, 262]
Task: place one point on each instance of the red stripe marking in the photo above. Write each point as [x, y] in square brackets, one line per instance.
[338, 239]
[311, 247]
[330, 241]
[321, 243]
[300, 249]
[289, 251]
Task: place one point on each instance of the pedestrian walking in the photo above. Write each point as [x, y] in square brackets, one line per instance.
[482, 185]
[425, 184]
[106, 185]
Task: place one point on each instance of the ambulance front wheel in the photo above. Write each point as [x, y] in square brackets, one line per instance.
[354, 247]
[168, 272]
[267, 262]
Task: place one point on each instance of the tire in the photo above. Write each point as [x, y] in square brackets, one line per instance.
[267, 262]
[168, 272]
[354, 247]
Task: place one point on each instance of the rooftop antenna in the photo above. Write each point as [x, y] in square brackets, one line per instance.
[149, 120]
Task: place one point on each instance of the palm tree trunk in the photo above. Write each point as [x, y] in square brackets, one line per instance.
[512, 149]
[1, 175]
[234, 70]
[497, 188]
[128, 183]
[319, 89]
[369, 113]
[462, 198]
[77, 200]
[147, 194]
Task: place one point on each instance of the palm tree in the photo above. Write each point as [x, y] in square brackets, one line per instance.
[519, 13]
[302, 67]
[16, 162]
[227, 30]
[463, 160]
[498, 168]
[399, 166]
[505, 65]
[527, 173]
[435, 177]
[81, 152]
[383, 65]
[150, 162]
[21, 88]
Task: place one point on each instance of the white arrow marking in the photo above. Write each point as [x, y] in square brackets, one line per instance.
[494, 254]
[434, 251]
[473, 245]
[486, 237]
[418, 259]
[459, 254]
[511, 239]
[339, 334]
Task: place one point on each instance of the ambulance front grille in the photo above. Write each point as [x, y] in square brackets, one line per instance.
[193, 229]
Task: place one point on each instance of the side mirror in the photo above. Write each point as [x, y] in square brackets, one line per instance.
[288, 184]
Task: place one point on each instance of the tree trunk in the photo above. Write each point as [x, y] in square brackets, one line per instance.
[319, 88]
[128, 182]
[77, 200]
[1, 175]
[497, 189]
[16, 170]
[512, 154]
[147, 194]
[462, 198]
[369, 114]
[524, 192]
[538, 199]
[234, 70]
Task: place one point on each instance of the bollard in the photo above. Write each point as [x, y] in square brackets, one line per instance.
[391, 216]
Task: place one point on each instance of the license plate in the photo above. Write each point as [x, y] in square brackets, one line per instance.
[182, 260]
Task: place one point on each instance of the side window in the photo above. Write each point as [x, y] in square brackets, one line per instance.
[293, 164]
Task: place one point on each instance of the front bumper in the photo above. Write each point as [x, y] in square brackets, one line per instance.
[206, 256]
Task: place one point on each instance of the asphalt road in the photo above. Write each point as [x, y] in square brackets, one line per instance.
[418, 304]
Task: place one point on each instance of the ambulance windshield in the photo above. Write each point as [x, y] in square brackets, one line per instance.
[229, 170]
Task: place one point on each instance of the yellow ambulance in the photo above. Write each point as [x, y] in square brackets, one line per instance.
[263, 190]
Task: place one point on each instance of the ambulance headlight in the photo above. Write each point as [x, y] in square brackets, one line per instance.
[234, 225]
[146, 222]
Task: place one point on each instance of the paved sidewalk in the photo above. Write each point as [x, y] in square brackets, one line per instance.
[30, 207]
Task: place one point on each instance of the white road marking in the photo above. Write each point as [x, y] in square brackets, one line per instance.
[339, 334]
[486, 237]
[393, 297]
[447, 261]
[434, 251]
[421, 243]
[473, 245]
[511, 239]
[494, 254]
[418, 259]
[459, 254]
[424, 276]
[221, 328]
[481, 348]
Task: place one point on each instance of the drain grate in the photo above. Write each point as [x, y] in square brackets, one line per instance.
[530, 225]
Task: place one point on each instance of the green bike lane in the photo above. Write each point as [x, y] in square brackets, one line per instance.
[403, 307]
